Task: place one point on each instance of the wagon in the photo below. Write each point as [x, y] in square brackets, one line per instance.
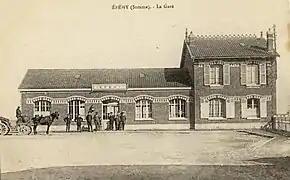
[6, 127]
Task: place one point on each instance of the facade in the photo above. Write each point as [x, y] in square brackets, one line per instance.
[220, 79]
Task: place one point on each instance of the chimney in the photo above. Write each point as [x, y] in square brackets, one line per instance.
[270, 41]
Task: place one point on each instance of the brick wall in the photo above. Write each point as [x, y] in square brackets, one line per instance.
[160, 110]
[235, 88]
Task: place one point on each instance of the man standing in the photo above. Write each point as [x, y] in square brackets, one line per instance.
[67, 121]
[97, 121]
[123, 120]
[89, 121]
[18, 114]
[117, 121]
[79, 123]
[111, 121]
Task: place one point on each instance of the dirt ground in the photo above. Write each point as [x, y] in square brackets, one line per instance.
[145, 155]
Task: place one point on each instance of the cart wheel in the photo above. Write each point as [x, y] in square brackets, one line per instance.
[24, 129]
[4, 129]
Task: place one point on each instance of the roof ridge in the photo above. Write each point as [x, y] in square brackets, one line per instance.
[63, 69]
[222, 36]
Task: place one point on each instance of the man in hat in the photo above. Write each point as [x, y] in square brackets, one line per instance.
[89, 119]
[79, 123]
[111, 121]
[117, 121]
[18, 115]
[97, 121]
[67, 121]
[122, 120]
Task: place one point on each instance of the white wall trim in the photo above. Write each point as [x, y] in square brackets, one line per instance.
[147, 97]
[178, 96]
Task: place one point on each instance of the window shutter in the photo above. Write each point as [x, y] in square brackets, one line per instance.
[263, 107]
[204, 109]
[230, 108]
[243, 74]
[263, 74]
[226, 74]
[243, 108]
[206, 74]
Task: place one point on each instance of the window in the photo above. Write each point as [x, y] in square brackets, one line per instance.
[217, 108]
[76, 107]
[143, 109]
[177, 108]
[253, 74]
[216, 74]
[42, 107]
[253, 107]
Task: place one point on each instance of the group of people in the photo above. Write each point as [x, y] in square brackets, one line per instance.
[96, 118]
[116, 122]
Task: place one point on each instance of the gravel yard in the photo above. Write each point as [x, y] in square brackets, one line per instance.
[155, 155]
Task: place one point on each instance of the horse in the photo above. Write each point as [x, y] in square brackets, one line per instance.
[46, 120]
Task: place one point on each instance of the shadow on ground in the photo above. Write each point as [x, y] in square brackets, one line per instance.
[276, 168]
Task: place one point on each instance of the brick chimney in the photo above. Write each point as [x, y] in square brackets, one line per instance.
[270, 41]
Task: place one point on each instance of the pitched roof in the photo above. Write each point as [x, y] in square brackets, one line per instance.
[84, 78]
[227, 46]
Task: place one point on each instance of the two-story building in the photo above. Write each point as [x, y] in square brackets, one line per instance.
[228, 78]
[233, 76]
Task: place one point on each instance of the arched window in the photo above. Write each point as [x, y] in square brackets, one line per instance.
[217, 108]
[143, 109]
[177, 108]
[42, 107]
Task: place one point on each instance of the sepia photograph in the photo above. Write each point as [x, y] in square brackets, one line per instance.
[144, 90]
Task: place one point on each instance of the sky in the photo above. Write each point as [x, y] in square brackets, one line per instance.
[90, 34]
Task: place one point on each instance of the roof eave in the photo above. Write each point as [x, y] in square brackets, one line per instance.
[232, 57]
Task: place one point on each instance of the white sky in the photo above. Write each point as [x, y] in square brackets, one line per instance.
[89, 34]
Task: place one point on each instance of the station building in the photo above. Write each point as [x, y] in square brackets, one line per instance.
[229, 78]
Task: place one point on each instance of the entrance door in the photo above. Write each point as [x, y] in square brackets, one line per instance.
[108, 107]
[82, 110]
[77, 107]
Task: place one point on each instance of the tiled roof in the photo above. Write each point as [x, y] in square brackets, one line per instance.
[84, 78]
[240, 46]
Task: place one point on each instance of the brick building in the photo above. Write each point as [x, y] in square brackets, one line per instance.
[220, 79]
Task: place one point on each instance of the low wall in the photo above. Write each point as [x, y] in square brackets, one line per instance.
[211, 126]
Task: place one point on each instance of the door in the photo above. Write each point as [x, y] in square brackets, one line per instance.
[82, 110]
[77, 107]
[108, 107]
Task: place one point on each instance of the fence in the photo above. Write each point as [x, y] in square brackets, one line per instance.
[281, 122]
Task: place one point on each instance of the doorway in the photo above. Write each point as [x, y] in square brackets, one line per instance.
[108, 107]
[76, 107]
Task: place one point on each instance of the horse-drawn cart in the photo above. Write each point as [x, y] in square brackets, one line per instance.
[21, 128]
